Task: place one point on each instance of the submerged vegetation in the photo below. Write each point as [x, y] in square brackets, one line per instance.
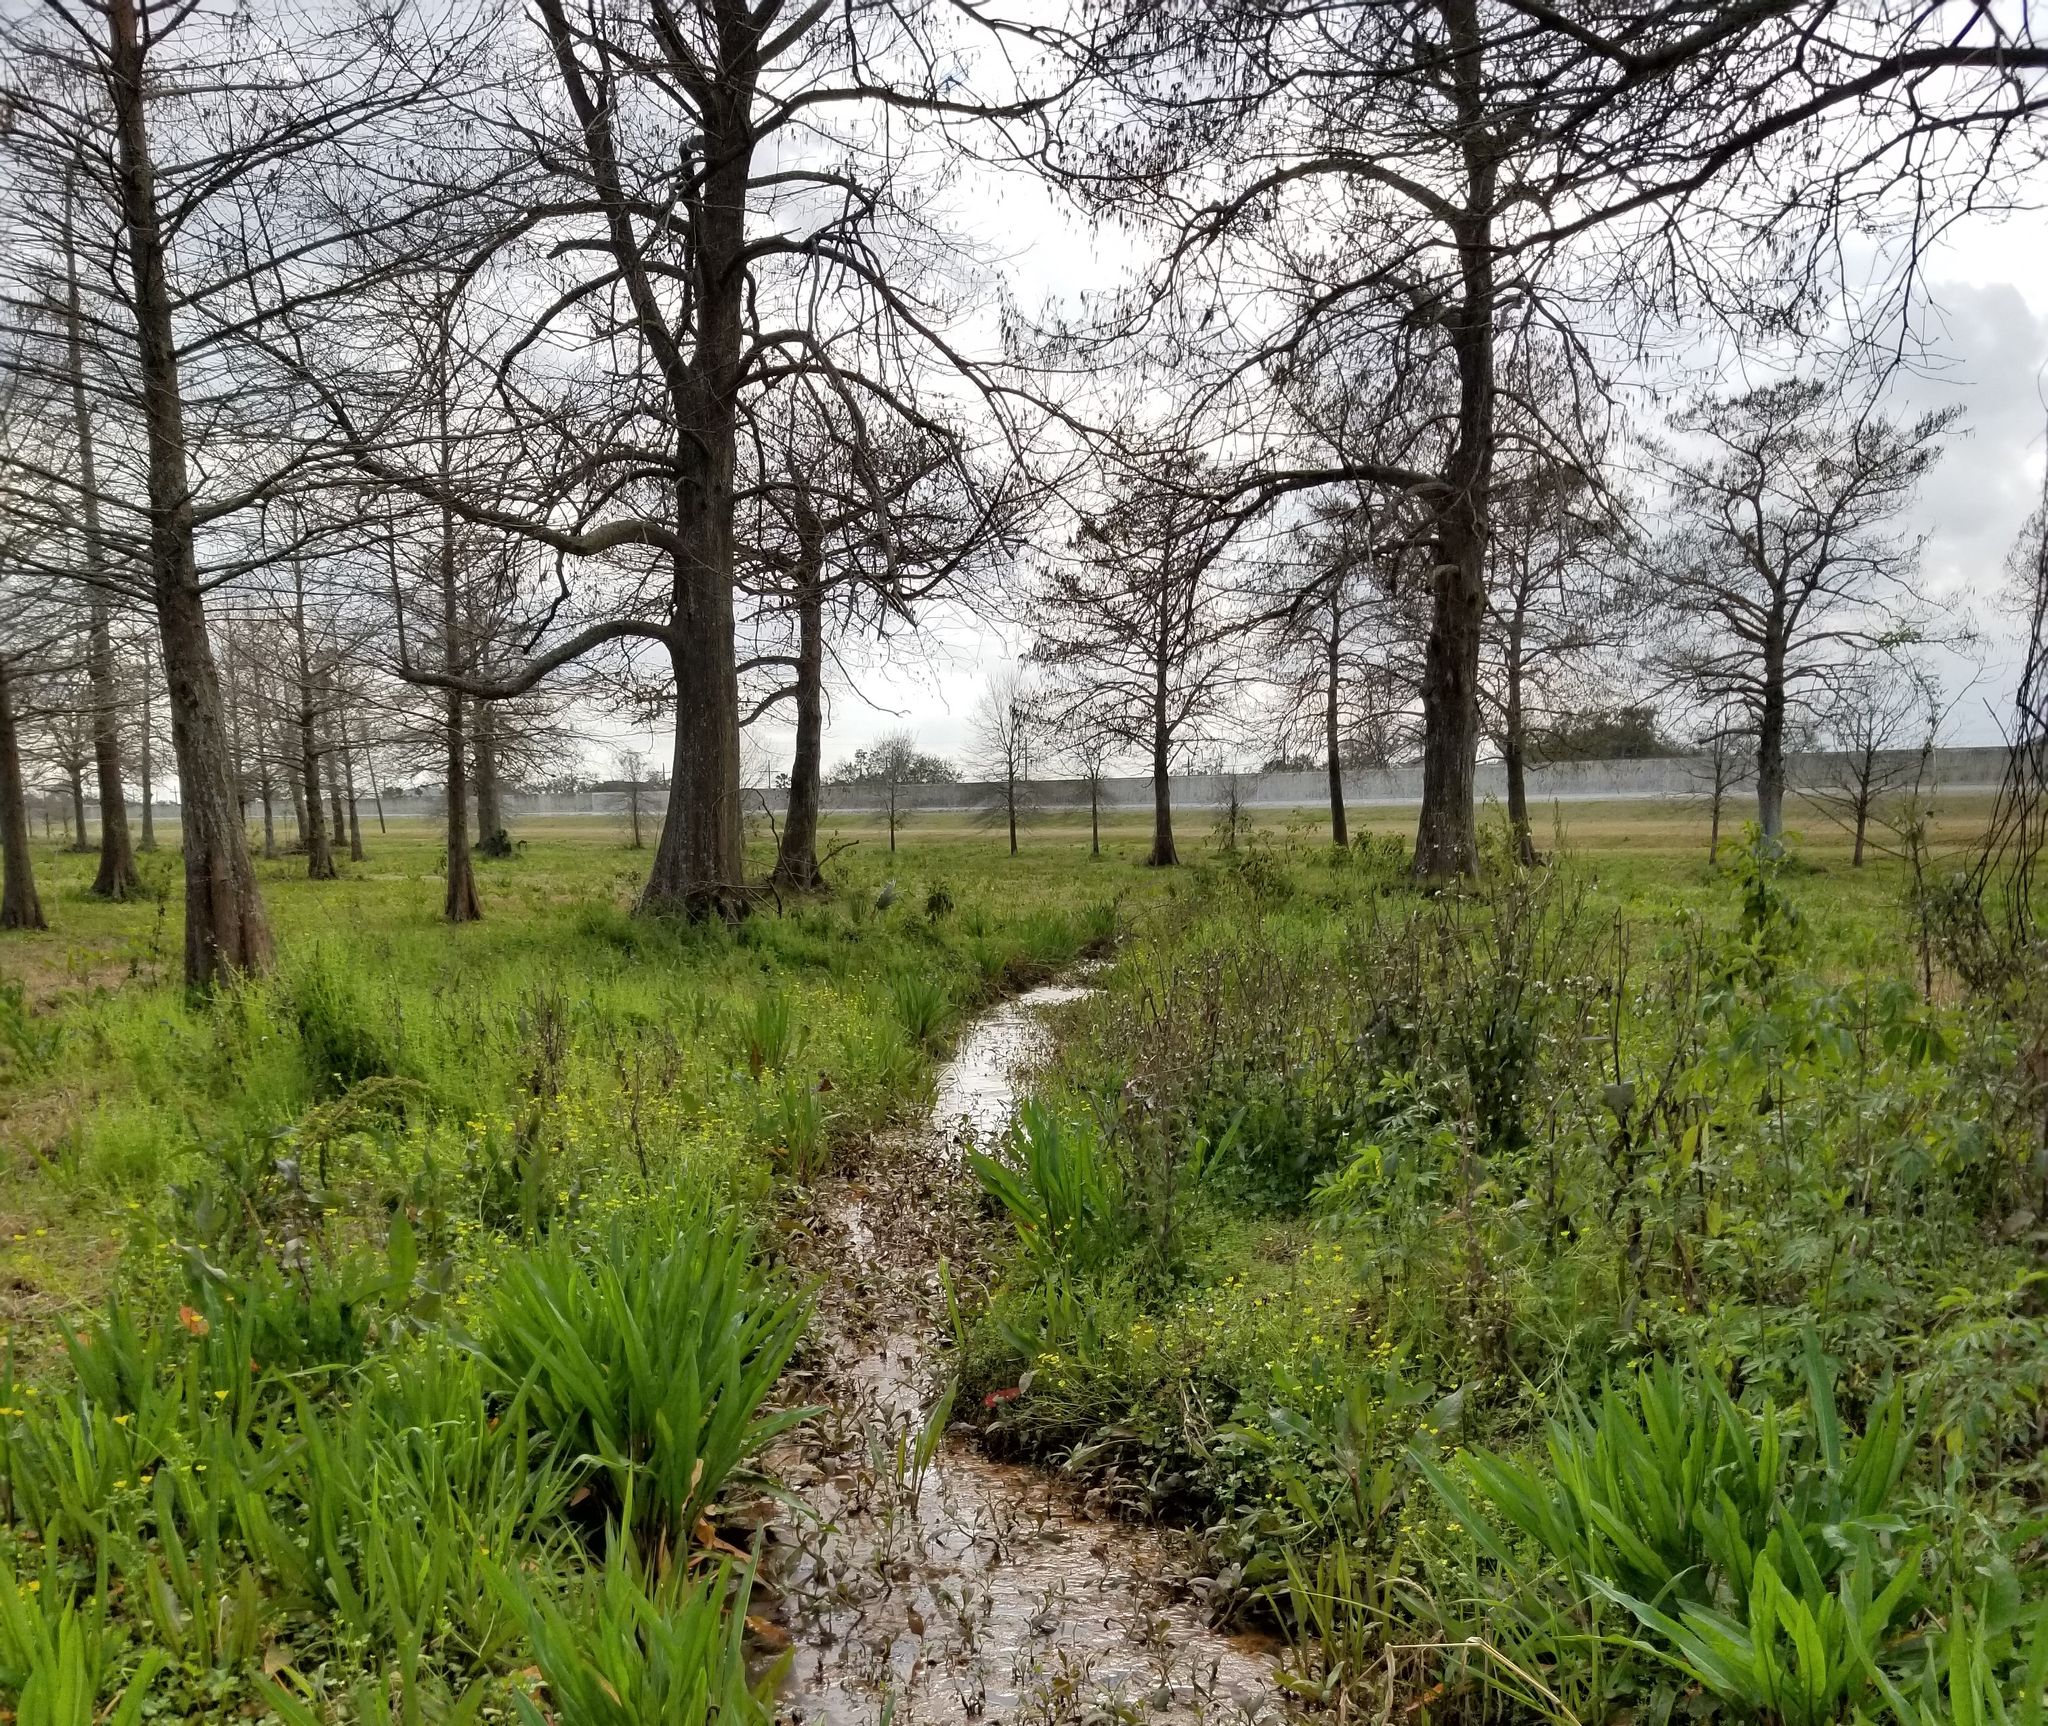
[1611, 1292]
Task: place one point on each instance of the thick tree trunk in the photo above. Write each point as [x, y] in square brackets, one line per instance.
[226, 934]
[1333, 726]
[491, 838]
[19, 906]
[117, 877]
[700, 859]
[796, 857]
[1447, 831]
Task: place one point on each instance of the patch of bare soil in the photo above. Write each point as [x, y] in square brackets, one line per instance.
[924, 1582]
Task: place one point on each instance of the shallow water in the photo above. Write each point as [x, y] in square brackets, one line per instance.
[928, 1583]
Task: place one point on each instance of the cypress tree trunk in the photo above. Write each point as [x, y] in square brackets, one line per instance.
[460, 905]
[491, 838]
[1515, 749]
[19, 906]
[1447, 830]
[796, 858]
[348, 773]
[700, 862]
[74, 777]
[148, 754]
[226, 933]
[117, 877]
[1333, 730]
[1162, 855]
[319, 853]
[376, 792]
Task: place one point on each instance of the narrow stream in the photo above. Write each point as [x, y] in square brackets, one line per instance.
[965, 1589]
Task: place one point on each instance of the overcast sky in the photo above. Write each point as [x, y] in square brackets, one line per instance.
[1986, 326]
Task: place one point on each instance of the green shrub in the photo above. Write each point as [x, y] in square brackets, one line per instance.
[341, 1040]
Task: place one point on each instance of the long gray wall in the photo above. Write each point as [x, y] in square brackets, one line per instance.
[1564, 782]
[1978, 769]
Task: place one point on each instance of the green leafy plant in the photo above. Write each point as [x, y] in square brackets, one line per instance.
[665, 1651]
[650, 1356]
[921, 1005]
[1059, 1184]
[1755, 1552]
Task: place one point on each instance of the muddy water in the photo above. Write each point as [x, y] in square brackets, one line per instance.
[926, 1583]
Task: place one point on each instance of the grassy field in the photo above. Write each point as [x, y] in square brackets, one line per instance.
[1503, 1284]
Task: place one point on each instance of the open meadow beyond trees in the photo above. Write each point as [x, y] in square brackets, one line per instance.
[1609, 1291]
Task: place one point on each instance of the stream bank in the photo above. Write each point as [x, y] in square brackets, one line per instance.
[928, 1583]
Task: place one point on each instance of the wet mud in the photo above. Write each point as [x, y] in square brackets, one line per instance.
[924, 1582]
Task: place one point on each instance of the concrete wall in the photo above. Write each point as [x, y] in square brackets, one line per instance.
[1976, 769]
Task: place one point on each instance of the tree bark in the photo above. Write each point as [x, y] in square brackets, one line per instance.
[20, 908]
[796, 857]
[265, 789]
[491, 837]
[460, 905]
[1095, 816]
[117, 876]
[330, 772]
[1770, 740]
[376, 792]
[319, 852]
[1447, 830]
[148, 762]
[699, 866]
[1010, 805]
[348, 773]
[226, 934]
[1162, 854]
[74, 779]
[1515, 746]
[1333, 727]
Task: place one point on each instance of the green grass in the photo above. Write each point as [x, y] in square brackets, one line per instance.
[1403, 1186]
[365, 1360]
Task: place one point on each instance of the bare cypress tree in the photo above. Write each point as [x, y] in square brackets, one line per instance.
[1435, 180]
[1783, 559]
[1007, 725]
[117, 876]
[698, 258]
[1139, 633]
